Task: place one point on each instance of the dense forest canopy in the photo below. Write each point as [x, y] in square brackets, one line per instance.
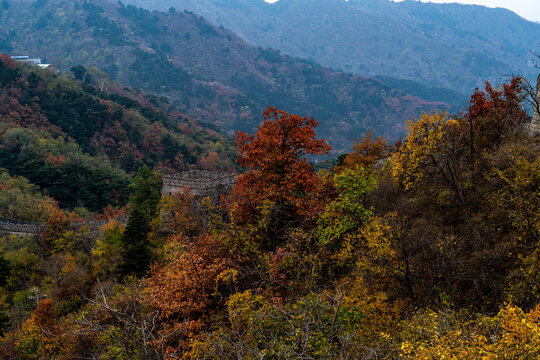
[426, 247]
[422, 249]
[80, 144]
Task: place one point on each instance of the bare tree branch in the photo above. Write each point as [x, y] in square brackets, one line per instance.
[129, 324]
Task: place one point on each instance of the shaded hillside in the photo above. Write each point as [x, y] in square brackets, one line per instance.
[207, 71]
[449, 45]
[80, 144]
[427, 93]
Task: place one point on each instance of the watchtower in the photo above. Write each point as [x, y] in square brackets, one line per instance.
[200, 183]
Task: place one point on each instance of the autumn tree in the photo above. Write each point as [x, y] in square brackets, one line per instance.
[21, 200]
[346, 214]
[107, 253]
[402, 257]
[511, 334]
[366, 152]
[467, 174]
[177, 214]
[495, 113]
[314, 327]
[119, 324]
[278, 178]
[512, 205]
[39, 335]
[441, 152]
[189, 284]
[57, 225]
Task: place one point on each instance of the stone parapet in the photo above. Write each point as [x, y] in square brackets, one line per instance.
[199, 183]
[22, 227]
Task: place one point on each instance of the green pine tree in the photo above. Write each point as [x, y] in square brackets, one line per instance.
[144, 201]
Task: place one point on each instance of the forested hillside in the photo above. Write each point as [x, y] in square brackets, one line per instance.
[422, 245]
[207, 71]
[80, 144]
[423, 249]
[450, 45]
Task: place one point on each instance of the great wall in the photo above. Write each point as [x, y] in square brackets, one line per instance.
[19, 228]
[29, 228]
[199, 183]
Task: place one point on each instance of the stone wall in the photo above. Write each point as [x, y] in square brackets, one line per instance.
[27, 228]
[20, 227]
[200, 183]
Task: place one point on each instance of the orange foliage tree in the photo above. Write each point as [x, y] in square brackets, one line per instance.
[189, 285]
[39, 335]
[57, 225]
[279, 178]
[365, 152]
[177, 215]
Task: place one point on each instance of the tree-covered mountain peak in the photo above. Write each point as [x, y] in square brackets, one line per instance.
[206, 71]
[450, 45]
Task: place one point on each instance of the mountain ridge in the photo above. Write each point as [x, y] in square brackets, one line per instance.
[406, 40]
[207, 71]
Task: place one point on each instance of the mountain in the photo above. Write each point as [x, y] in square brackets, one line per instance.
[449, 45]
[206, 71]
[80, 143]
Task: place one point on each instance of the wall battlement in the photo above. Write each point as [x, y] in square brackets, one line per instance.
[20, 227]
[200, 183]
[23, 228]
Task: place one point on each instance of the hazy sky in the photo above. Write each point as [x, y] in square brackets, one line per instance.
[529, 9]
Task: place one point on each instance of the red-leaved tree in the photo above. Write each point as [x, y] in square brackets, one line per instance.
[496, 112]
[278, 173]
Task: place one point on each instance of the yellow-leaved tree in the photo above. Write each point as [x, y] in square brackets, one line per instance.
[512, 334]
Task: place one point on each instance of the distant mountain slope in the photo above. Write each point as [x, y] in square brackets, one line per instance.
[449, 45]
[79, 143]
[209, 72]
